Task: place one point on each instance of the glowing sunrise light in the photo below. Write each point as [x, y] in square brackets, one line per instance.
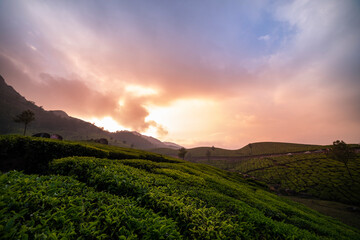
[138, 90]
[107, 123]
[197, 116]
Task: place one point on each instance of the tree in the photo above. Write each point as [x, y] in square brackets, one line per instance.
[208, 154]
[340, 151]
[213, 148]
[250, 146]
[25, 117]
[182, 153]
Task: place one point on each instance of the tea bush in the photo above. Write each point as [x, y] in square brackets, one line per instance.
[142, 196]
[58, 207]
[33, 154]
[204, 205]
[310, 174]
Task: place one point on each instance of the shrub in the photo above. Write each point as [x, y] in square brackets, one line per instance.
[33, 154]
[59, 207]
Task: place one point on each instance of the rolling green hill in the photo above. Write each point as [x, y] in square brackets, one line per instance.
[307, 174]
[259, 148]
[105, 192]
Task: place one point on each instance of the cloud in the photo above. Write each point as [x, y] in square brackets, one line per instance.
[161, 131]
[258, 61]
[76, 96]
[264, 38]
[79, 99]
[321, 52]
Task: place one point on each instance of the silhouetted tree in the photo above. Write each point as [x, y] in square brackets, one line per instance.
[250, 146]
[25, 117]
[213, 148]
[208, 154]
[182, 153]
[340, 151]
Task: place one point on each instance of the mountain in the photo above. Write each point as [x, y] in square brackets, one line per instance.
[60, 113]
[58, 121]
[172, 145]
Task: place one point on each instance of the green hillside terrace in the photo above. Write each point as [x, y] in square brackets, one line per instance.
[82, 194]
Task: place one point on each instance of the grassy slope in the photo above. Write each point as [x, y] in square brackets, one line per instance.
[157, 197]
[256, 149]
[337, 210]
[311, 174]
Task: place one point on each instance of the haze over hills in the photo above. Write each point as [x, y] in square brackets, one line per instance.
[252, 149]
[58, 121]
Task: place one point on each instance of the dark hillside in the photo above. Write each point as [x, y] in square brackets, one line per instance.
[12, 104]
[32, 154]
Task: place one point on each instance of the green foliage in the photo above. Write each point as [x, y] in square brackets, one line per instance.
[308, 174]
[58, 207]
[151, 197]
[206, 203]
[33, 154]
[340, 151]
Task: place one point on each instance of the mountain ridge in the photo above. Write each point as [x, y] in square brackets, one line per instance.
[13, 103]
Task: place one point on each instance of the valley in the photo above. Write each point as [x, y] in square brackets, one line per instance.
[309, 177]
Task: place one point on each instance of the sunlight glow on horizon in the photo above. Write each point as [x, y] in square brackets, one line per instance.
[108, 123]
[138, 90]
[196, 118]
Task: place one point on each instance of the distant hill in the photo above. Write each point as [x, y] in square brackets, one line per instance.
[260, 148]
[172, 145]
[58, 121]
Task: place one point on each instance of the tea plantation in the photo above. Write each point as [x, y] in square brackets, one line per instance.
[308, 174]
[73, 190]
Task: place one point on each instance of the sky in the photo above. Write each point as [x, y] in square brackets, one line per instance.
[195, 72]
